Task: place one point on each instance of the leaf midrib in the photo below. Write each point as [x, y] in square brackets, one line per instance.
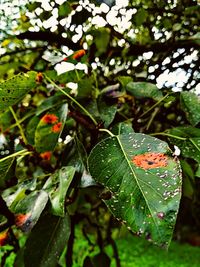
[120, 144]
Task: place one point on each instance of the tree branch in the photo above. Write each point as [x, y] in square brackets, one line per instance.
[49, 37]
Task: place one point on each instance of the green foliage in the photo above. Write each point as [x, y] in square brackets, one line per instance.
[80, 104]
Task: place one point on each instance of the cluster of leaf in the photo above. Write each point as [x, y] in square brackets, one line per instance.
[88, 157]
[46, 171]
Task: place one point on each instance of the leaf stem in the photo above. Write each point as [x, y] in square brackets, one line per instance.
[155, 105]
[23, 152]
[194, 144]
[18, 125]
[152, 118]
[74, 100]
[169, 135]
[107, 131]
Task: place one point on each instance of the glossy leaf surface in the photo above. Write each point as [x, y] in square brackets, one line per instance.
[190, 103]
[144, 181]
[30, 208]
[187, 138]
[14, 89]
[144, 89]
[47, 241]
[57, 186]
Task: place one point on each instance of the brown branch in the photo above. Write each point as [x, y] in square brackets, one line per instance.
[7, 213]
[49, 37]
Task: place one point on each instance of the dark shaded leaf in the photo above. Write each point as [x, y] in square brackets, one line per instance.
[6, 172]
[47, 241]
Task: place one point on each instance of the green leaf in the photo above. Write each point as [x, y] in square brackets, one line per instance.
[64, 10]
[197, 173]
[6, 172]
[31, 128]
[144, 89]
[190, 104]
[188, 179]
[187, 138]
[57, 186]
[49, 103]
[106, 111]
[48, 131]
[144, 180]
[140, 16]
[101, 39]
[31, 206]
[124, 80]
[47, 241]
[14, 89]
[85, 87]
[122, 128]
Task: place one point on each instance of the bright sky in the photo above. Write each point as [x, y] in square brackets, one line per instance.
[175, 79]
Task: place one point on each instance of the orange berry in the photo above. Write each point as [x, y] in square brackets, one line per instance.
[49, 118]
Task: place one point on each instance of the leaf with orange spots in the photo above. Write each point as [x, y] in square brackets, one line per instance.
[144, 181]
[49, 129]
[28, 210]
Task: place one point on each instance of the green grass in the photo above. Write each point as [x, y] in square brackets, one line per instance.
[136, 252]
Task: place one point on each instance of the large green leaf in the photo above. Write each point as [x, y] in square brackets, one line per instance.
[144, 89]
[49, 129]
[144, 181]
[57, 186]
[187, 138]
[47, 240]
[14, 89]
[190, 103]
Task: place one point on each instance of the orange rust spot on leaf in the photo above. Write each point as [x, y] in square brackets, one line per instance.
[57, 127]
[20, 219]
[78, 54]
[49, 118]
[3, 238]
[150, 160]
[46, 155]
